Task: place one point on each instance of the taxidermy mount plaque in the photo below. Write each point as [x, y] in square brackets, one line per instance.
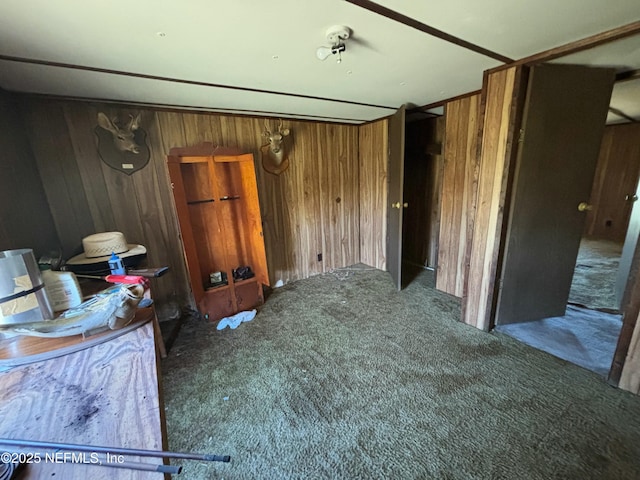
[275, 158]
[122, 146]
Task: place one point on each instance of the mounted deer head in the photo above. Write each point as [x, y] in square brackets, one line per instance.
[123, 137]
[274, 157]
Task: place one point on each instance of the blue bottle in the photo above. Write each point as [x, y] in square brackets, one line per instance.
[116, 266]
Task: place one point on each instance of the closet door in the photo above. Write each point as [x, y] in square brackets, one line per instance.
[396, 187]
[563, 122]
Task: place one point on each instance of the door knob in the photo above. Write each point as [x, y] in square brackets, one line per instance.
[584, 206]
[395, 205]
[631, 197]
[405, 204]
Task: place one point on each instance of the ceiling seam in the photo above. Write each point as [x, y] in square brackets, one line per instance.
[586, 43]
[410, 22]
[169, 106]
[562, 50]
[620, 113]
[182, 81]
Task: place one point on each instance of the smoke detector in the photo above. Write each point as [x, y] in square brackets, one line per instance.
[336, 35]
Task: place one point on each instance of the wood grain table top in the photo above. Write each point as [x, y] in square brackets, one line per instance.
[106, 394]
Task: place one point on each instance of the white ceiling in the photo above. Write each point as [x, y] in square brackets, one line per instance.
[623, 55]
[188, 53]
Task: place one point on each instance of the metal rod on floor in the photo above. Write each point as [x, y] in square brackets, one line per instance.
[116, 451]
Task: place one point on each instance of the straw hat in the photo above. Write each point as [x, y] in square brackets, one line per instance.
[99, 247]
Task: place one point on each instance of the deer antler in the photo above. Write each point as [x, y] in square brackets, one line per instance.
[134, 123]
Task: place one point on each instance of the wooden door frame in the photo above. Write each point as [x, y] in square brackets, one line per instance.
[486, 319]
[630, 311]
[553, 175]
[479, 302]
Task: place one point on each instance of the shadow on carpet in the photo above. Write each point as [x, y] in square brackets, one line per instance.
[340, 376]
[585, 337]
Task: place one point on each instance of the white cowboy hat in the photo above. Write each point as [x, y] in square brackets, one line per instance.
[99, 247]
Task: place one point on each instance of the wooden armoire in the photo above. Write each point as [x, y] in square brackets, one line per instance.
[216, 198]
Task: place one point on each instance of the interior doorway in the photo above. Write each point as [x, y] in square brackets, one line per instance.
[421, 196]
[588, 332]
[561, 137]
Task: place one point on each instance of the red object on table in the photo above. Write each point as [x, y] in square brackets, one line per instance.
[128, 279]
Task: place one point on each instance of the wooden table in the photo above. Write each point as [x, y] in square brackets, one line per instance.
[105, 395]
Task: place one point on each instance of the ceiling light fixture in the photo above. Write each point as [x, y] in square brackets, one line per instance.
[336, 36]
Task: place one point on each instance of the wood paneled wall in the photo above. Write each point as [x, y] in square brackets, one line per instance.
[616, 176]
[374, 146]
[458, 192]
[630, 378]
[25, 217]
[500, 111]
[313, 208]
[87, 196]
[422, 188]
[625, 368]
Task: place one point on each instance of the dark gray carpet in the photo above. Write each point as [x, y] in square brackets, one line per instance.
[340, 376]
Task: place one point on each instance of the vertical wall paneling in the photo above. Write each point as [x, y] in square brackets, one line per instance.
[373, 144]
[125, 198]
[160, 141]
[436, 196]
[135, 201]
[422, 190]
[502, 97]
[630, 378]
[616, 176]
[51, 145]
[338, 184]
[625, 368]
[283, 234]
[303, 181]
[197, 128]
[312, 208]
[460, 157]
[26, 217]
[84, 147]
